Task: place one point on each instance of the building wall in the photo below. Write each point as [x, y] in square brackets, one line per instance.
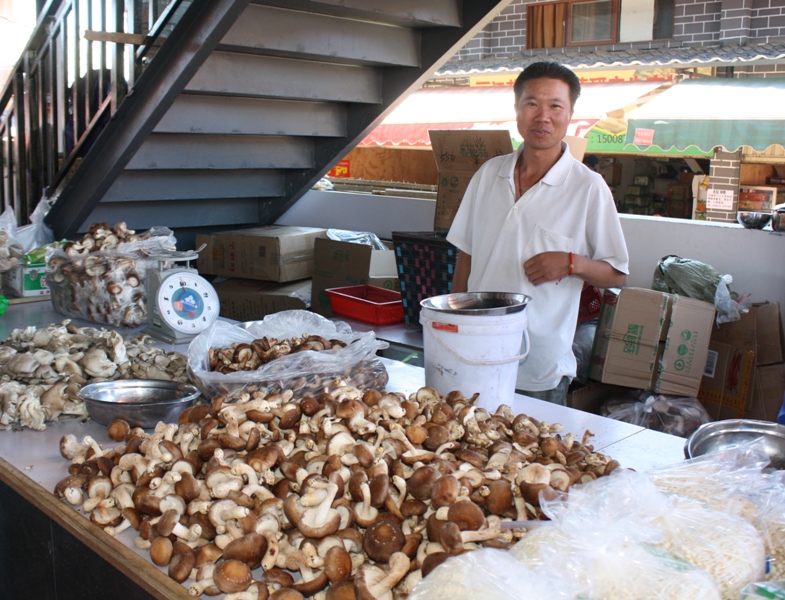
[695, 22]
[725, 246]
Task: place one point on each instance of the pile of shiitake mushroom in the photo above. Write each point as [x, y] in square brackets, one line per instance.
[248, 357]
[350, 494]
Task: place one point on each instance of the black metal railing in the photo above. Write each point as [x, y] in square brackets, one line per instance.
[82, 58]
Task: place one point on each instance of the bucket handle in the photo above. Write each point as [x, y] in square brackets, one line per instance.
[500, 361]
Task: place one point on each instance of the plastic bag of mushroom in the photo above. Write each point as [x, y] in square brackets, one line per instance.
[294, 350]
[360, 491]
[736, 480]
[101, 277]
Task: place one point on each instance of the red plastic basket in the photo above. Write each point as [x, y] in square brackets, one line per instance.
[367, 303]
[591, 302]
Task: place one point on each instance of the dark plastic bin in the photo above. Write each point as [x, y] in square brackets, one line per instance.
[426, 264]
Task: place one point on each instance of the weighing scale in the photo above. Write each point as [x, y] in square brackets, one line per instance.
[180, 302]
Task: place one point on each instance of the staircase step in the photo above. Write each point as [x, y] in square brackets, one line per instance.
[404, 13]
[211, 151]
[153, 186]
[176, 214]
[280, 32]
[231, 73]
[198, 113]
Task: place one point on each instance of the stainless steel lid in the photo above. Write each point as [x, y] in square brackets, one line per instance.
[477, 303]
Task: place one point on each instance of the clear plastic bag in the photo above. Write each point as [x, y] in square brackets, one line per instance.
[627, 508]
[491, 574]
[365, 238]
[771, 590]
[106, 287]
[302, 372]
[613, 567]
[670, 414]
[736, 480]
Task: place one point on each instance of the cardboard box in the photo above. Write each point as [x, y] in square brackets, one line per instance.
[252, 300]
[26, 281]
[769, 393]
[728, 382]
[652, 341]
[768, 332]
[590, 397]
[741, 334]
[340, 264]
[459, 153]
[273, 253]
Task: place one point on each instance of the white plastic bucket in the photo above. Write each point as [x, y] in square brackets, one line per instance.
[474, 354]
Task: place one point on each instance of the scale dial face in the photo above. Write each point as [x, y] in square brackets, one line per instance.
[187, 302]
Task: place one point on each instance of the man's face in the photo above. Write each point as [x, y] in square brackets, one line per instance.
[543, 112]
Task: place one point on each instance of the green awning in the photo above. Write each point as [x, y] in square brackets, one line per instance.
[601, 141]
[710, 113]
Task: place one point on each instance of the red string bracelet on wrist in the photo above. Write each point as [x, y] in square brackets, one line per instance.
[572, 264]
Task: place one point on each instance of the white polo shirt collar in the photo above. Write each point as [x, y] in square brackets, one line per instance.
[557, 174]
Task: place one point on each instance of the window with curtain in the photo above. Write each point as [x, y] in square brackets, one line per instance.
[590, 22]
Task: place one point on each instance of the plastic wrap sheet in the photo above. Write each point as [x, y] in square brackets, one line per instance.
[490, 574]
[303, 372]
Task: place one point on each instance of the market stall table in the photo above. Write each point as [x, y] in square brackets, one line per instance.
[70, 555]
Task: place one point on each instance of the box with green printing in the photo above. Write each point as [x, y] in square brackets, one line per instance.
[25, 281]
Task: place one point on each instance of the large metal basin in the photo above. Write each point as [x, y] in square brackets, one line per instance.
[141, 402]
[734, 432]
[478, 303]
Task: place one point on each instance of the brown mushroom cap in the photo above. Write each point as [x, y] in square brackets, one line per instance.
[249, 549]
[337, 563]
[420, 484]
[382, 539]
[499, 499]
[432, 561]
[342, 590]
[445, 491]
[232, 576]
[161, 551]
[286, 594]
[118, 430]
[466, 515]
[181, 565]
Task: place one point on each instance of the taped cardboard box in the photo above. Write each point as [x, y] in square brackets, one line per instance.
[769, 392]
[252, 300]
[728, 381]
[272, 253]
[459, 153]
[651, 341]
[340, 264]
[768, 329]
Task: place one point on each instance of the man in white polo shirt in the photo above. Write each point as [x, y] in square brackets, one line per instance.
[539, 222]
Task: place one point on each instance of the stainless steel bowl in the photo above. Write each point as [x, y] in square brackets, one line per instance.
[141, 402]
[477, 303]
[730, 433]
[751, 219]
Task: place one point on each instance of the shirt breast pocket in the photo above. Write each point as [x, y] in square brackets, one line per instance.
[545, 240]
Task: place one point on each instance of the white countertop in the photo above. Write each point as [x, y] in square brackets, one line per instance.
[36, 454]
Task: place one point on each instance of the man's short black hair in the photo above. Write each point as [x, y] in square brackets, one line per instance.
[550, 70]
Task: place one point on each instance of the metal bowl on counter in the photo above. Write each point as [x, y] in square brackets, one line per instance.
[751, 219]
[478, 303]
[731, 433]
[141, 402]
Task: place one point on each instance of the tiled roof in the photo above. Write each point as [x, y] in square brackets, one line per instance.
[660, 57]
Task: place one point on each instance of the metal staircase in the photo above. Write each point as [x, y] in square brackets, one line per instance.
[245, 105]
